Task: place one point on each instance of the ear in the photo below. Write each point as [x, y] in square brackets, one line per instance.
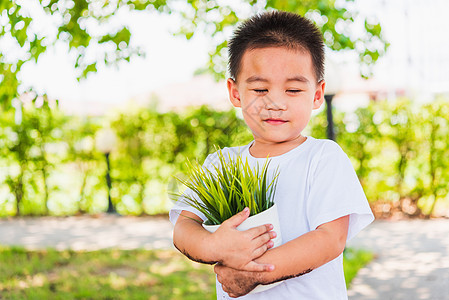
[319, 94]
[234, 95]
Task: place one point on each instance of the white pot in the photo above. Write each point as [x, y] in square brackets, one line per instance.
[269, 216]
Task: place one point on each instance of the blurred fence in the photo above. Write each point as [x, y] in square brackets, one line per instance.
[50, 164]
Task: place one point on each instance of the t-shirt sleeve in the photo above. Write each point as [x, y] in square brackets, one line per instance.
[180, 205]
[335, 191]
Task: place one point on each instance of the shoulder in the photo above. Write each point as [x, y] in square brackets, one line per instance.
[329, 145]
[327, 155]
[326, 148]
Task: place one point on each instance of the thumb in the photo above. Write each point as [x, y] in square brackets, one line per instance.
[237, 219]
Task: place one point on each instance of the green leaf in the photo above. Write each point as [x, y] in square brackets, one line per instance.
[228, 187]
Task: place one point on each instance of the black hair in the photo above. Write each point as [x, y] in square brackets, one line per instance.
[276, 29]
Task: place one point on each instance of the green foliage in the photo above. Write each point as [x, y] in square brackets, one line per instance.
[211, 128]
[87, 25]
[434, 149]
[220, 192]
[76, 23]
[398, 150]
[337, 23]
[49, 163]
[44, 158]
[153, 146]
[85, 165]
[8, 84]
[28, 136]
[361, 141]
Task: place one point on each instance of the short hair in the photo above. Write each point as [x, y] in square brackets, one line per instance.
[276, 29]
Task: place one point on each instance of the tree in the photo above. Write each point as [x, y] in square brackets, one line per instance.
[27, 139]
[336, 19]
[79, 134]
[84, 25]
[360, 137]
[435, 126]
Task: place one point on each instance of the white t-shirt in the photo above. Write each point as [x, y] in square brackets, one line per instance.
[316, 184]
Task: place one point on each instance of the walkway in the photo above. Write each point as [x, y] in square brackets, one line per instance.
[412, 261]
[88, 233]
[412, 256]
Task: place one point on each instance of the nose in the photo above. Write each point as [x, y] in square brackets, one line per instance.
[275, 102]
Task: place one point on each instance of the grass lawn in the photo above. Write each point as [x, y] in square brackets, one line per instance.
[353, 261]
[115, 274]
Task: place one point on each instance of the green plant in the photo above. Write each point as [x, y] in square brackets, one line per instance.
[226, 189]
[29, 144]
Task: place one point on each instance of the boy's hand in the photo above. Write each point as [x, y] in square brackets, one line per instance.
[239, 249]
[234, 282]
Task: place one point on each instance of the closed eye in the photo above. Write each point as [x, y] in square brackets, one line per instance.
[260, 91]
[294, 91]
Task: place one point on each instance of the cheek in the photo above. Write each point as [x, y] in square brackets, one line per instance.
[303, 112]
[252, 107]
[302, 107]
[250, 115]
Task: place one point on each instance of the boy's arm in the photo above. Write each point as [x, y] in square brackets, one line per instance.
[227, 246]
[295, 258]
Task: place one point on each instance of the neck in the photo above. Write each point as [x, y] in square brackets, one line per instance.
[262, 149]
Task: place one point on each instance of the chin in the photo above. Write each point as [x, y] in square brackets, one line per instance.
[285, 139]
[277, 139]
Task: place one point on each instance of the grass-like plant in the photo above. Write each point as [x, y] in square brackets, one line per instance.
[226, 189]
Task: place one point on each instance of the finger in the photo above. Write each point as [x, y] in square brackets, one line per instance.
[259, 230]
[261, 250]
[225, 288]
[252, 266]
[264, 239]
[237, 219]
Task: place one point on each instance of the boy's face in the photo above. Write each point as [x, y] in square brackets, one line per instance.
[277, 91]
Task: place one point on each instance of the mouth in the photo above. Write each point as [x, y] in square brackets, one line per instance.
[275, 121]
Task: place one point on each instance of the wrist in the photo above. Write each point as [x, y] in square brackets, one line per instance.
[211, 247]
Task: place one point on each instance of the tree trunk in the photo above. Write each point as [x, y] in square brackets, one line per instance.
[82, 190]
[18, 191]
[44, 176]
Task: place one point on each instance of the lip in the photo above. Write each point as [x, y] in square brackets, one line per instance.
[275, 121]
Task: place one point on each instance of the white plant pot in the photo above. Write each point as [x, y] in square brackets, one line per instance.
[269, 216]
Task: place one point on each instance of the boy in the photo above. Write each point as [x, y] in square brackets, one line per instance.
[276, 68]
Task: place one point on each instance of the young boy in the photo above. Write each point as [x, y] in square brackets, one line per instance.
[276, 68]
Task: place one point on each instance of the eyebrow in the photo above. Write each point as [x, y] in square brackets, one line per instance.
[298, 78]
[255, 79]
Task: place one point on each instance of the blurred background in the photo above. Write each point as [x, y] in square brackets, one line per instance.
[102, 102]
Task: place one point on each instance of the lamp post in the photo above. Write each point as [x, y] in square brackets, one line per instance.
[105, 140]
[333, 86]
[330, 119]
